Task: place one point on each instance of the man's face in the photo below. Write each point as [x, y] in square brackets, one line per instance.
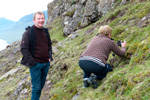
[39, 20]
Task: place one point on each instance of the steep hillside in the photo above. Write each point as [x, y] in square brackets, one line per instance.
[129, 79]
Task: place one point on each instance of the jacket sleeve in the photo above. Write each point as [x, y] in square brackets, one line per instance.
[50, 54]
[115, 48]
[25, 50]
[50, 49]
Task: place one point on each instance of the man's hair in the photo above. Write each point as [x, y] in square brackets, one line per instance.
[105, 30]
[39, 12]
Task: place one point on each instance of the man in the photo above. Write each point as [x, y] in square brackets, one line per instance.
[93, 59]
[36, 48]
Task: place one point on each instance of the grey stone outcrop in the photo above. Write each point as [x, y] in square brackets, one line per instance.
[78, 13]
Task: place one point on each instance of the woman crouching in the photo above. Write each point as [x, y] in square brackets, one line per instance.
[93, 59]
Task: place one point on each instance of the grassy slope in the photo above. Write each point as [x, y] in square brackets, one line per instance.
[130, 78]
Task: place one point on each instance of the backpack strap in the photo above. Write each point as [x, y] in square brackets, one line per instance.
[49, 43]
[47, 36]
[32, 39]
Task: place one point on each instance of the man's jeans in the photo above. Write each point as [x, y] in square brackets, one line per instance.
[38, 77]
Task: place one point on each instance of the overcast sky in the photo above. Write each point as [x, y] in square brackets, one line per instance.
[16, 9]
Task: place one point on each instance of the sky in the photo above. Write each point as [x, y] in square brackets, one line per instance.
[16, 9]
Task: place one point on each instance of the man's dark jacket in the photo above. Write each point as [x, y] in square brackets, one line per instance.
[28, 45]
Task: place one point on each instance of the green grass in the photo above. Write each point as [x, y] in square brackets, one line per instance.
[56, 31]
[130, 74]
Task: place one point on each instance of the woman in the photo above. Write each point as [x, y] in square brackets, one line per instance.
[93, 59]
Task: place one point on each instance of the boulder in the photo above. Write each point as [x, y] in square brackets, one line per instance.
[144, 22]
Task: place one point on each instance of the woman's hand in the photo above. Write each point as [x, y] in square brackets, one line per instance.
[123, 44]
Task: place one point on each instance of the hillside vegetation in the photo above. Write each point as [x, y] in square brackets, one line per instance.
[128, 81]
[130, 77]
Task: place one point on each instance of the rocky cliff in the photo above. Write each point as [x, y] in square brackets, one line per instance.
[72, 24]
[77, 14]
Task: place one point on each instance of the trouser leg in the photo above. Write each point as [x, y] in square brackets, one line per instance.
[91, 67]
[35, 73]
[84, 68]
[86, 74]
[44, 74]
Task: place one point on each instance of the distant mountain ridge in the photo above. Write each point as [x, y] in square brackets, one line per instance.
[12, 31]
[5, 24]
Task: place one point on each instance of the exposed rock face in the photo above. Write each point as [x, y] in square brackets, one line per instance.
[78, 13]
[106, 5]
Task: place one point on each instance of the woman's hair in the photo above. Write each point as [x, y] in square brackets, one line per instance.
[105, 30]
[39, 12]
